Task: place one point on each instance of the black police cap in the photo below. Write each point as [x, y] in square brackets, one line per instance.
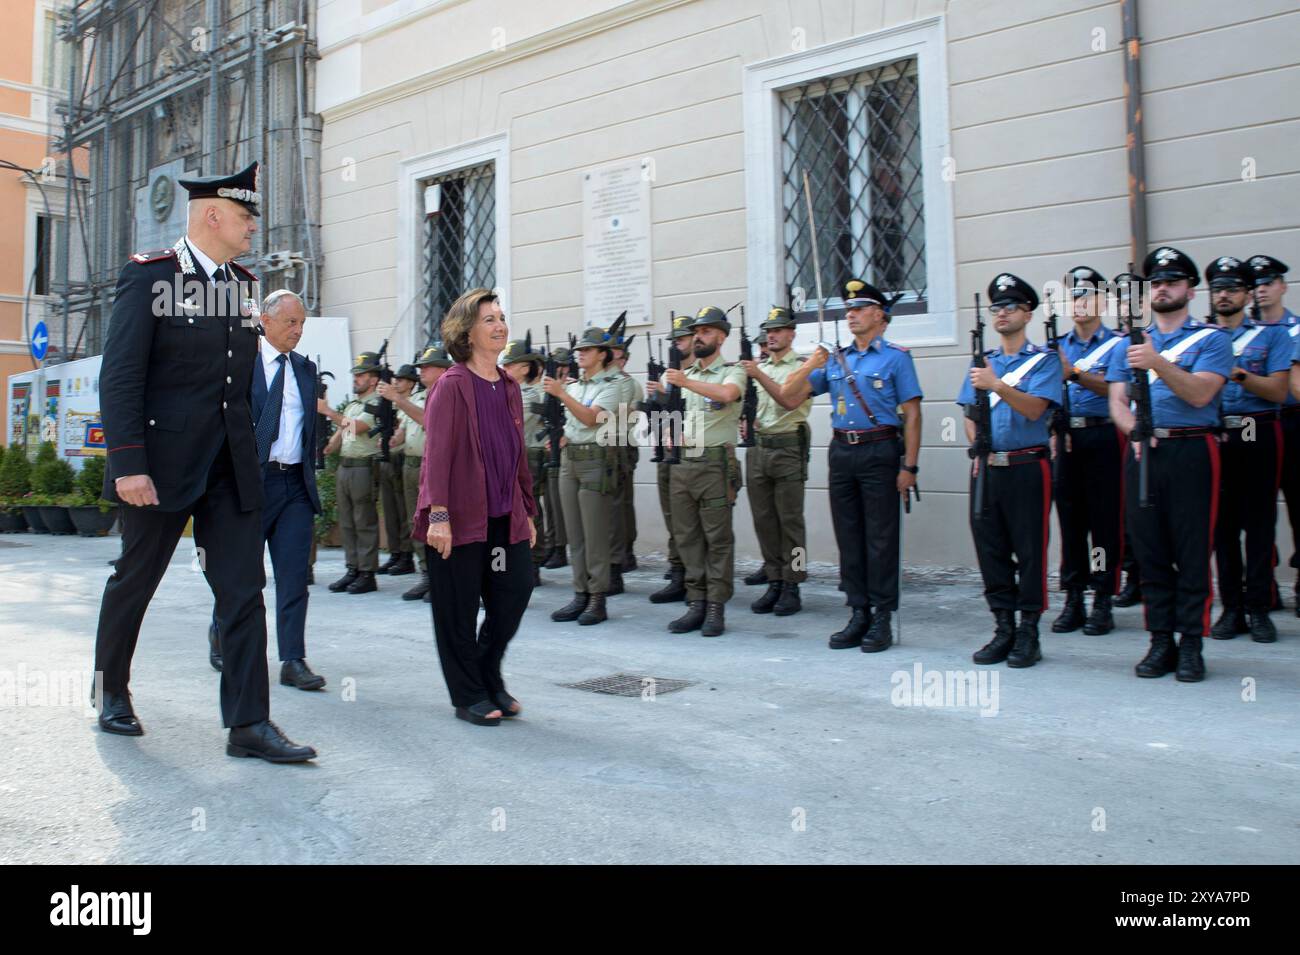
[1228, 271]
[1008, 288]
[1083, 280]
[241, 188]
[1265, 268]
[1168, 264]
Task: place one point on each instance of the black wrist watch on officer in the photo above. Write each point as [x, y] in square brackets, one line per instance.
[1239, 376]
[909, 468]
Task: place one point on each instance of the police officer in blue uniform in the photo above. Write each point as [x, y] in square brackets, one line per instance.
[875, 443]
[1024, 384]
[1250, 454]
[174, 394]
[1267, 292]
[1187, 364]
[1088, 479]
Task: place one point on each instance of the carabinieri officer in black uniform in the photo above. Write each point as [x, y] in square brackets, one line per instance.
[1187, 363]
[174, 386]
[1024, 384]
[1089, 481]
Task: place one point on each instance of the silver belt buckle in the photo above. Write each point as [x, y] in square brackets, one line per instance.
[852, 437]
[1159, 432]
[1234, 421]
[999, 459]
[1078, 422]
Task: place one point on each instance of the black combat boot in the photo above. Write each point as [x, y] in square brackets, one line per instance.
[1073, 615]
[714, 620]
[419, 590]
[557, 559]
[1101, 620]
[1162, 658]
[401, 564]
[691, 620]
[1130, 595]
[572, 610]
[364, 584]
[675, 589]
[1191, 665]
[1026, 651]
[757, 577]
[765, 603]
[1261, 627]
[344, 582]
[879, 636]
[615, 579]
[394, 558]
[1230, 623]
[789, 602]
[629, 563]
[1004, 634]
[537, 575]
[594, 611]
[853, 632]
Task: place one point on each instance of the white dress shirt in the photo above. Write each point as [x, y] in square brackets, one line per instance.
[202, 259]
[287, 446]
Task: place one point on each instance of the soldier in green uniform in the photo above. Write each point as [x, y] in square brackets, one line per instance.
[525, 366]
[392, 500]
[429, 365]
[557, 538]
[777, 470]
[704, 483]
[354, 489]
[626, 455]
[588, 476]
[683, 337]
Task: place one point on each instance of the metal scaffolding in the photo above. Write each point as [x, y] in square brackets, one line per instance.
[200, 87]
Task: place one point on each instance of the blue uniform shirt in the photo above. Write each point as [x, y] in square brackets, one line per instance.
[1082, 401]
[885, 375]
[1268, 352]
[1291, 324]
[1012, 430]
[1211, 353]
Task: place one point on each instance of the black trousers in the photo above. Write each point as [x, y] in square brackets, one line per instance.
[1011, 536]
[864, 512]
[1291, 479]
[1172, 537]
[497, 574]
[1088, 488]
[1249, 475]
[229, 552]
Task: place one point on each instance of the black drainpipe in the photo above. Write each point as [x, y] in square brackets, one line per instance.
[1134, 144]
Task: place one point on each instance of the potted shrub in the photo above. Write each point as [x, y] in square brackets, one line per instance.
[326, 522]
[52, 481]
[15, 481]
[91, 514]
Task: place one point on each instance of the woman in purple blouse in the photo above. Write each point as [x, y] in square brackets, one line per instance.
[475, 512]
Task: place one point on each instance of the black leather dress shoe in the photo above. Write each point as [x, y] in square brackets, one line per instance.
[298, 673]
[265, 741]
[214, 647]
[116, 715]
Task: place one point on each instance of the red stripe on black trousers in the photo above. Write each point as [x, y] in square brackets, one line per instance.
[1212, 445]
[1046, 467]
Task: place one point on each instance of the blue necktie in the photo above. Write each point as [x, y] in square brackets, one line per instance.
[268, 425]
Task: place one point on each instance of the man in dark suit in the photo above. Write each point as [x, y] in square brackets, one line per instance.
[178, 363]
[284, 426]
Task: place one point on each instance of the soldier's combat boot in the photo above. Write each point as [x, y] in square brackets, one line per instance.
[1161, 658]
[557, 559]
[419, 590]
[364, 584]
[615, 579]
[853, 632]
[1072, 615]
[344, 582]
[714, 620]
[1101, 620]
[789, 602]
[1004, 635]
[1026, 651]
[757, 577]
[1191, 665]
[880, 636]
[1261, 627]
[1230, 623]
[572, 610]
[765, 603]
[594, 612]
[691, 620]
[675, 589]
[394, 559]
[1130, 594]
[405, 564]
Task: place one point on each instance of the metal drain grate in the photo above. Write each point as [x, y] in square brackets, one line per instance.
[629, 684]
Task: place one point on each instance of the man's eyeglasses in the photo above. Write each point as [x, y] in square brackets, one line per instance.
[1006, 307]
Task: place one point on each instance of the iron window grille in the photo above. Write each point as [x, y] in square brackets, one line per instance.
[459, 240]
[858, 137]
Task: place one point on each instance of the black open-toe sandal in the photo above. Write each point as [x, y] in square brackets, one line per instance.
[504, 702]
[478, 714]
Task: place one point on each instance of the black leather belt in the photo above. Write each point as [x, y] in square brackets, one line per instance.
[790, 439]
[1082, 421]
[281, 466]
[1005, 459]
[1164, 434]
[1290, 409]
[1234, 421]
[883, 433]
